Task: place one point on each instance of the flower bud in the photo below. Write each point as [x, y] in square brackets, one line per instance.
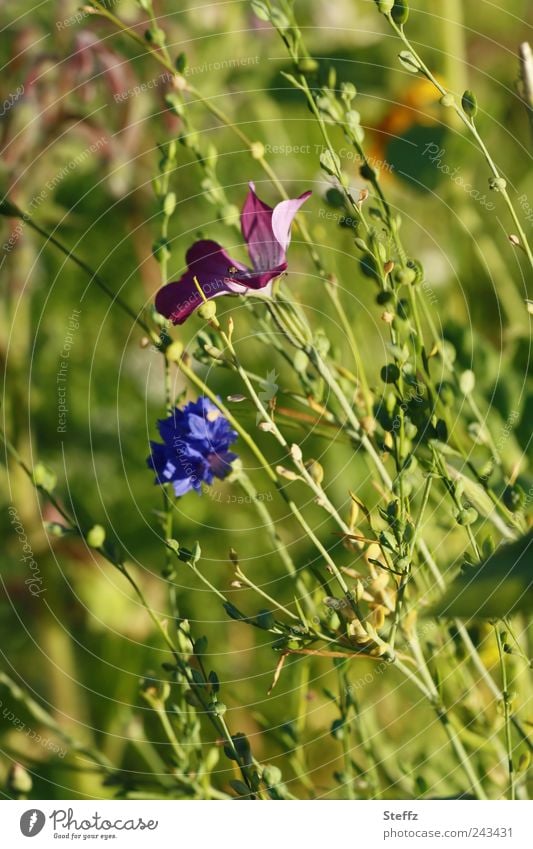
[257, 149]
[265, 620]
[217, 708]
[169, 204]
[44, 478]
[96, 536]
[447, 99]
[315, 470]
[307, 65]
[467, 517]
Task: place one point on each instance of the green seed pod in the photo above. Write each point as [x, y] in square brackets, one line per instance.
[410, 429]
[174, 352]
[307, 65]
[44, 478]
[161, 250]
[467, 517]
[368, 266]
[400, 12]
[469, 103]
[169, 204]
[181, 62]
[315, 470]
[337, 729]
[404, 309]
[390, 373]
[208, 310]
[385, 6]
[300, 362]
[96, 536]
[155, 35]
[348, 92]
[524, 761]
[513, 498]
[447, 100]
[265, 620]
[404, 276]
[271, 775]
[217, 708]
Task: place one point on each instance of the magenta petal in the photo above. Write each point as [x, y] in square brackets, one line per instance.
[256, 224]
[259, 279]
[283, 216]
[211, 265]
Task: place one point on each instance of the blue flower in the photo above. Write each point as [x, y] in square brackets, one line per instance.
[195, 447]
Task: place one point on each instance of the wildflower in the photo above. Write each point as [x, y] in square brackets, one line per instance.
[267, 233]
[195, 447]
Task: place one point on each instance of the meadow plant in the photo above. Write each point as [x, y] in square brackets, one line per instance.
[398, 582]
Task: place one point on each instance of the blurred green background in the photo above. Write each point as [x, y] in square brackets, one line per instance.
[83, 645]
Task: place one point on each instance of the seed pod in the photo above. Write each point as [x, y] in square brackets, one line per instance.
[208, 311]
[96, 536]
[44, 478]
[469, 103]
[385, 6]
[400, 12]
[315, 470]
[271, 775]
[307, 65]
[217, 708]
[390, 373]
[181, 62]
[174, 351]
[169, 204]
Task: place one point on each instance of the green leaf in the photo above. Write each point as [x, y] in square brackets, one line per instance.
[499, 586]
[260, 10]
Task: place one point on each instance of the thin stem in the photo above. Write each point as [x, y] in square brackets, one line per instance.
[506, 711]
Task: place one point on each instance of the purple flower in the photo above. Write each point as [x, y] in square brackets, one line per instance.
[194, 448]
[267, 233]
